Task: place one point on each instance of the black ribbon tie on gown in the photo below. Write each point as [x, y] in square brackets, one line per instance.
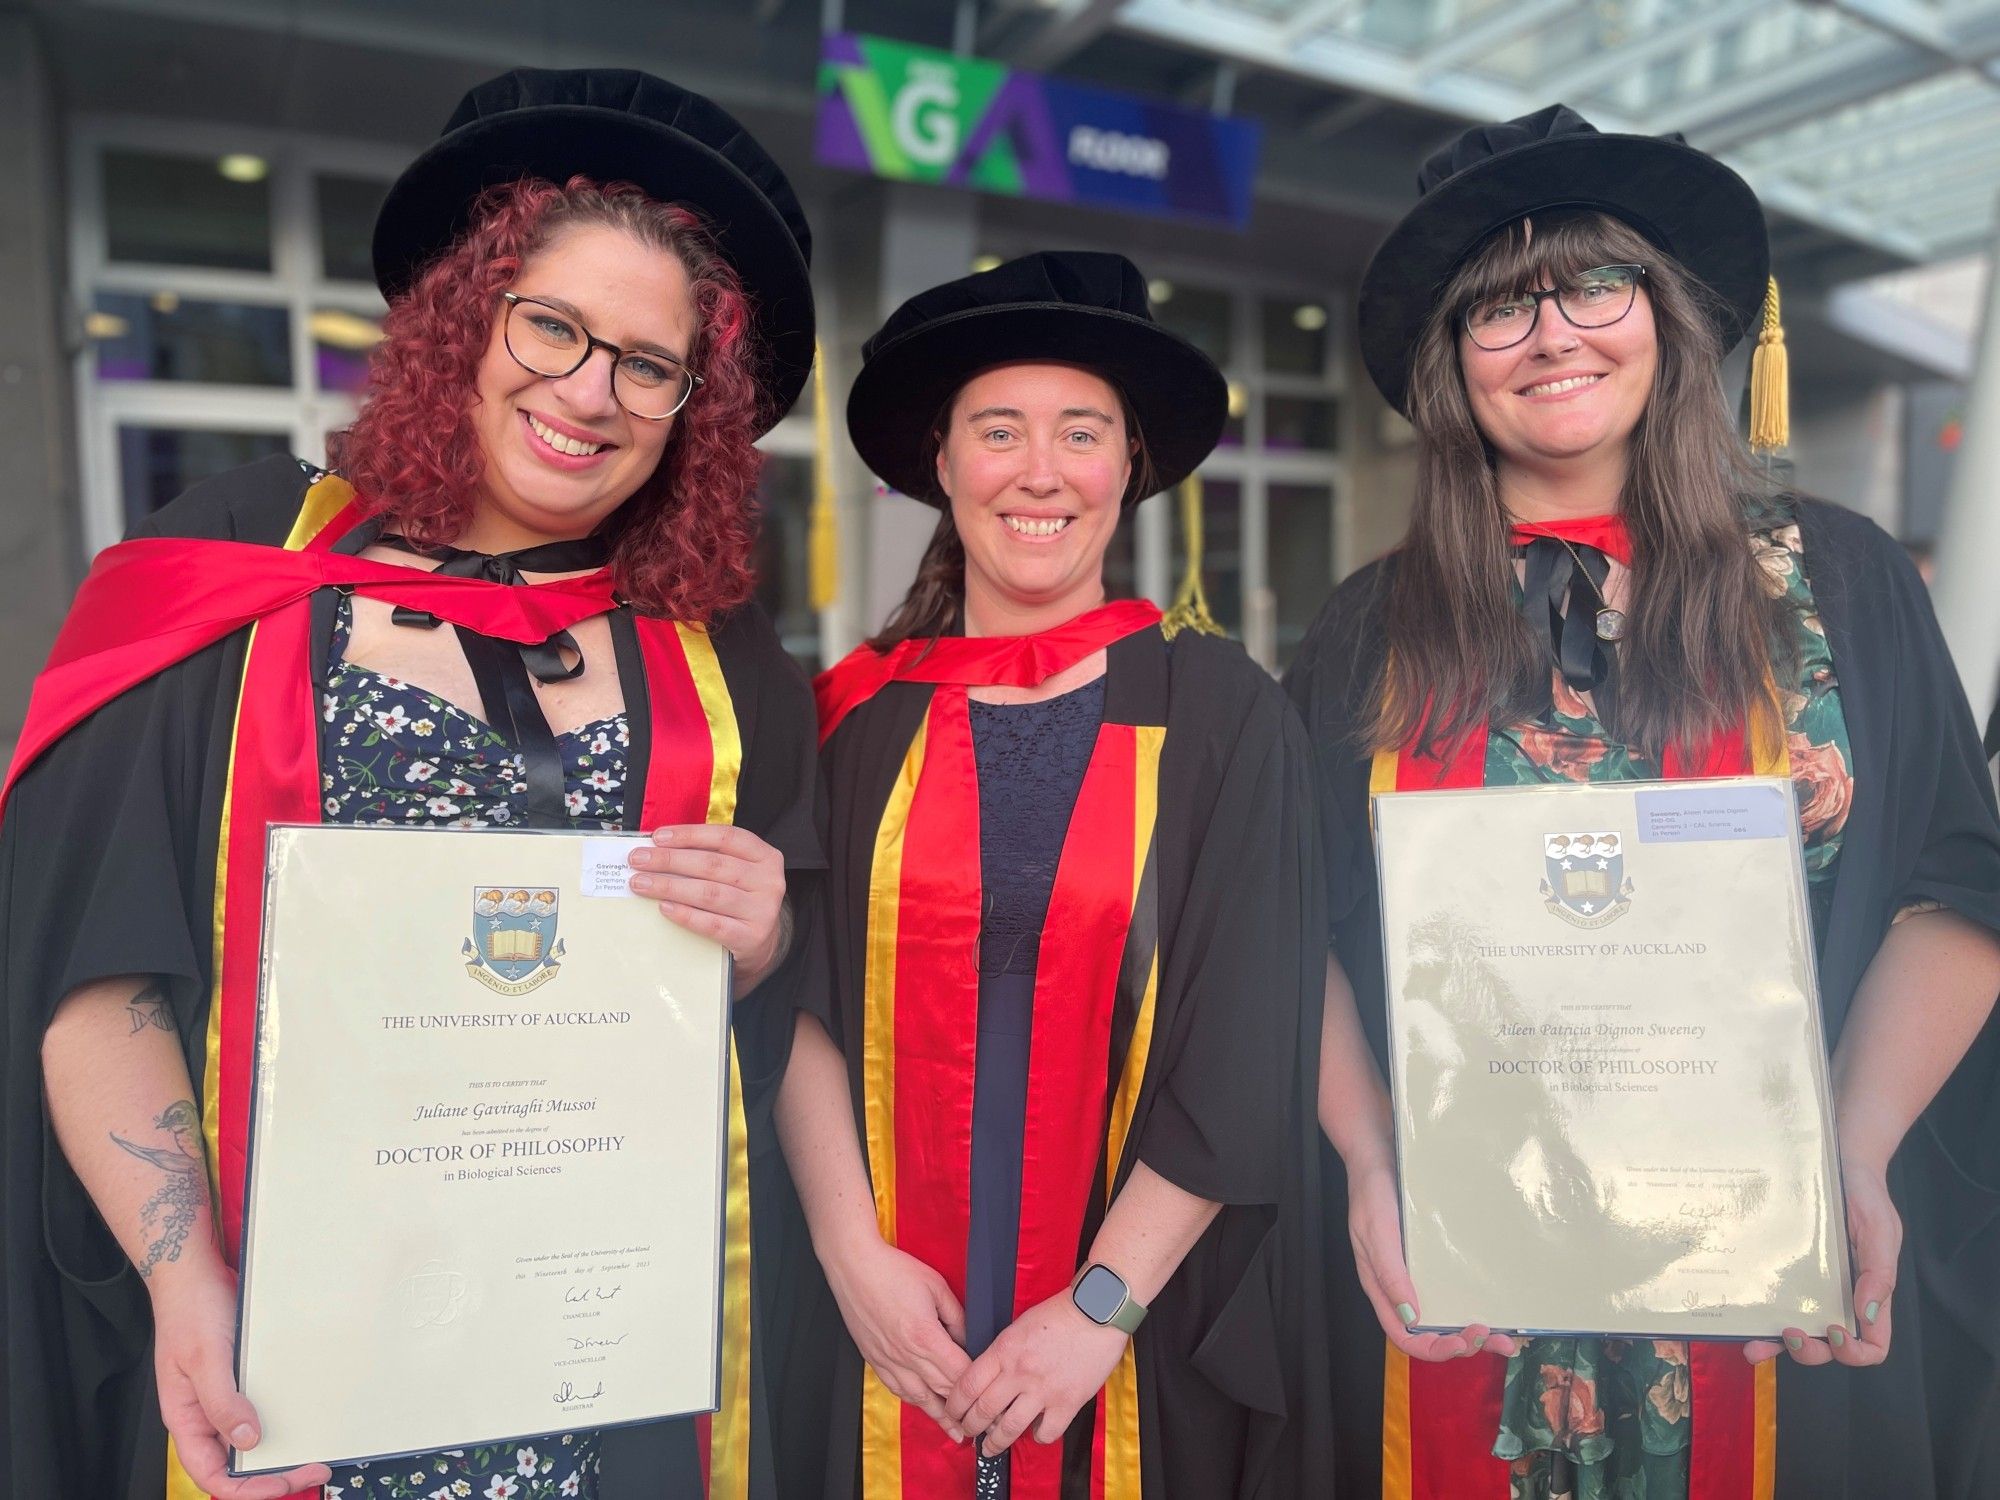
[501, 669]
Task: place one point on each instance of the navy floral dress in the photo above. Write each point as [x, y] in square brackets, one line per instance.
[392, 753]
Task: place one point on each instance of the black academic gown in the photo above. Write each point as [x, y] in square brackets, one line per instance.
[1232, 1368]
[1922, 827]
[107, 867]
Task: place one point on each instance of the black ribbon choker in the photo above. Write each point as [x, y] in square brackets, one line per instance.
[501, 668]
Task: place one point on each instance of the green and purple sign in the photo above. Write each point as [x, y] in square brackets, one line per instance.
[919, 115]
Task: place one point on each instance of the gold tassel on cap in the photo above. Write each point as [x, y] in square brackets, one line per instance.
[1190, 610]
[1770, 382]
[822, 525]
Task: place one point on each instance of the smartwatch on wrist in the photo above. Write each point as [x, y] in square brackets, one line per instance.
[1101, 1295]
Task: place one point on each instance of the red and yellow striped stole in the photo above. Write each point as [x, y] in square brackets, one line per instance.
[273, 777]
[1096, 977]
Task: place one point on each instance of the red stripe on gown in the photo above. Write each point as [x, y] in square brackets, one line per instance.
[1076, 985]
[936, 1038]
[936, 1032]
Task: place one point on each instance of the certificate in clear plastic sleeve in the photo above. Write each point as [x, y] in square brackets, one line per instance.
[487, 1147]
[1611, 1103]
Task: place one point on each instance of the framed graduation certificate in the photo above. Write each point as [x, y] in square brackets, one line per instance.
[487, 1146]
[1610, 1080]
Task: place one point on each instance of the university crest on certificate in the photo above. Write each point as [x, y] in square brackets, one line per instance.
[1610, 1079]
[487, 1149]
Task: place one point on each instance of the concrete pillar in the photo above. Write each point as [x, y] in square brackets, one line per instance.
[39, 518]
[1968, 541]
[1848, 447]
[929, 235]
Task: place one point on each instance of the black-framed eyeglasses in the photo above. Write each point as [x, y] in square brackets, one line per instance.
[548, 341]
[1595, 298]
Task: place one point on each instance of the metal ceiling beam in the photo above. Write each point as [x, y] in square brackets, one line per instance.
[1810, 87]
[1500, 26]
[1318, 15]
[1796, 150]
[1943, 184]
[1968, 239]
[1974, 145]
[1902, 45]
[1340, 117]
[1579, 80]
[1071, 26]
[1348, 63]
[1357, 67]
[1940, 213]
[1915, 25]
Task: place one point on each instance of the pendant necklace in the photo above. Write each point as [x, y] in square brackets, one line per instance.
[1610, 622]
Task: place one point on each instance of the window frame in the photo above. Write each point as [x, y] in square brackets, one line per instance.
[303, 414]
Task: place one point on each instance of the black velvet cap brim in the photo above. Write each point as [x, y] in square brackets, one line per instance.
[1689, 204]
[429, 205]
[1179, 397]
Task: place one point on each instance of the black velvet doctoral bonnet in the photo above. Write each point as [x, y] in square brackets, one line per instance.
[1077, 307]
[1686, 202]
[617, 125]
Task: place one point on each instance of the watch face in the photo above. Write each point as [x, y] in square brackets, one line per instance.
[1100, 1294]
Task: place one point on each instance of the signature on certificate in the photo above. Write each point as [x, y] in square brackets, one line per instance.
[567, 1393]
[590, 1293]
[577, 1343]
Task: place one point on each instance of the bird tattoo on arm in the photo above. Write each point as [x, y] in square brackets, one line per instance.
[171, 1212]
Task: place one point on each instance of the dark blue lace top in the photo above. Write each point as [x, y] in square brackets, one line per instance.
[1031, 759]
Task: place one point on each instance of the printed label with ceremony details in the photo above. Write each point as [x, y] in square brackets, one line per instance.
[607, 868]
[1714, 810]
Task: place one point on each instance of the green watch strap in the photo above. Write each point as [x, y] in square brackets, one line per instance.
[1129, 1316]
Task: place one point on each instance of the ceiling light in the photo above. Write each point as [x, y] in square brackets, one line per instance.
[1238, 399]
[241, 166]
[1309, 317]
[1160, 289]
[981, 263]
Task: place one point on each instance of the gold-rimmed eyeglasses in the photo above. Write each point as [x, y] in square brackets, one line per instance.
[547, 340]
[1595, 298]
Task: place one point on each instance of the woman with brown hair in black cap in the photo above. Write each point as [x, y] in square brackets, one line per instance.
[1064, 1093]
[598, 299]
[1597, 585]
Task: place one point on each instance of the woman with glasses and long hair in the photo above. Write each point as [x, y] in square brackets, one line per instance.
[598, 300]
[1598, 585]
[1055, 1143]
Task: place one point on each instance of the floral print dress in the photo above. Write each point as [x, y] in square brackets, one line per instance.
[393, 753]
[1620, 1410]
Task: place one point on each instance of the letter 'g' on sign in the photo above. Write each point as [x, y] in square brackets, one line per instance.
[925, 115]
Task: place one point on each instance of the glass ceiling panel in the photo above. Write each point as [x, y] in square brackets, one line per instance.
[1875, 119]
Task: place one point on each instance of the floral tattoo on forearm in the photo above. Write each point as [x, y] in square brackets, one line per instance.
[171, 1212]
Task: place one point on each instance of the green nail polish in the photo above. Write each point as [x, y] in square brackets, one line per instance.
[1407, 1313]
[1836, 1337]
[1795, 1345]
[1872, 1311]
[1479, 1343]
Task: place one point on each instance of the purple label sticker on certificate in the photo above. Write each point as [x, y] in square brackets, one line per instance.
[1701, 813]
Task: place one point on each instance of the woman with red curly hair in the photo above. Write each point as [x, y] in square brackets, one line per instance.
[598, 301]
